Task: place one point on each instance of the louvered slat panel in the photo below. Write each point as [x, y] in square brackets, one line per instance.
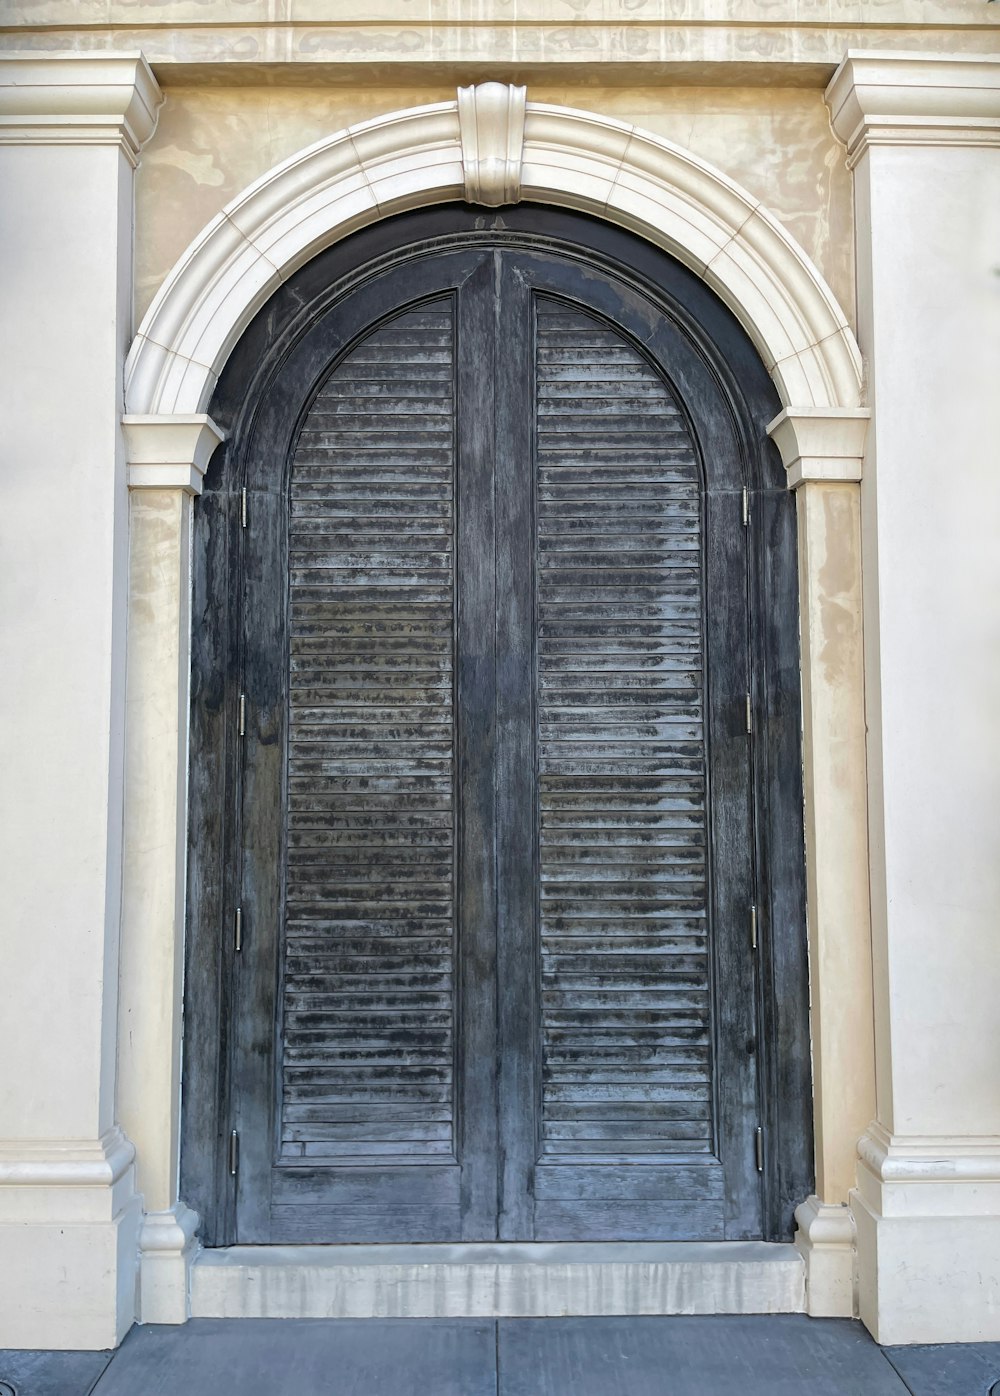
[621, 756]
[368, 963]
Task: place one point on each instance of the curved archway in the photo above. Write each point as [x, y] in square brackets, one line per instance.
[413, 159]
[427, 155]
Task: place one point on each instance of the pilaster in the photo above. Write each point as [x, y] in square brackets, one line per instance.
[923, 135]
[70, 132]
[822, 452]
[166, 460]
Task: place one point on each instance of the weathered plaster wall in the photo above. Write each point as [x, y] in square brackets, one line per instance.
[212, 142]
[675, 37]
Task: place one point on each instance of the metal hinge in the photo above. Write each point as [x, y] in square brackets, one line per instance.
[238, 929]
[753, 926]
[234, 1153]
[746, 506]
[749, 715]
[243, 507]
[758, 1144]
[243, 715]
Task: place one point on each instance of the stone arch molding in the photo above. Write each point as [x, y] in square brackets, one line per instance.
[491, 146]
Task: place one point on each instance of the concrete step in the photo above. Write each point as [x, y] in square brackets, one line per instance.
[499, 1280]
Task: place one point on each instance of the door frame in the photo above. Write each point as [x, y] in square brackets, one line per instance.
[673, 199]
[786, 1107]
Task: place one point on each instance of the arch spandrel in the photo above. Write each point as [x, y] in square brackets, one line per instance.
[415, 158]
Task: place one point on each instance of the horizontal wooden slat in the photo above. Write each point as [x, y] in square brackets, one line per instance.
[368, 975]
[629, 1221]
[436, 1186]
[646, 1182]
[626, 1066]
[355, 1222]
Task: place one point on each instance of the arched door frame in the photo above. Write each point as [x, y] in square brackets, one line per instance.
[491, 146]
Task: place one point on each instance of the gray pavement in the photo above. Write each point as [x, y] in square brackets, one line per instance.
[786, 1355]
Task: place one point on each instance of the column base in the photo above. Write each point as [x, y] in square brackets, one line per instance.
[69, 1230]
[927, 1213]
[167, 1248]
[825, 1239]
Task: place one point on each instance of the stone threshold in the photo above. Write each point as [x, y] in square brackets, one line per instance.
[498, 1280]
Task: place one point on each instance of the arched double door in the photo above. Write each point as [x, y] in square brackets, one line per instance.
[491, 828]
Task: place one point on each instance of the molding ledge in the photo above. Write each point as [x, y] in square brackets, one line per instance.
[66, 1163]
[927, 1210]
[168, 1232]
[919, 1158]
[169, 452]
[825, 444]
[491, 129]
[78, 99]
[885, 98]
[920, 1176]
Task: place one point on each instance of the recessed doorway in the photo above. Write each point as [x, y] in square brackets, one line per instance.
[495, 766]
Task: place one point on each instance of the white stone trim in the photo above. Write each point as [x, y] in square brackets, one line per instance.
[78, 99]
[166, 460]
[894, 1158]
[499, 1279]
[825, 444]
[169, 452]
[923, 135]
[914, 99]
[69, 1183]
[71, 127]
[70, 1163]
[927, 1214]
[826, 1241]
[822, 453]
[491, 128]
[168, 1246]
[413, 158]
[170, 1231]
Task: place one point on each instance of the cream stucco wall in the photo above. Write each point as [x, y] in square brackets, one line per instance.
[211, 143]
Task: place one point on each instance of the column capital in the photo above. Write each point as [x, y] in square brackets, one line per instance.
[169, 452]
[820, 443]
[885, 98]
[78, 99]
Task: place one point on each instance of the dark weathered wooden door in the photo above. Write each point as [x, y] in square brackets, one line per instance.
[496, 976]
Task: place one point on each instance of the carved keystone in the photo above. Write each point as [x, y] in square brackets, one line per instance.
[491, 122]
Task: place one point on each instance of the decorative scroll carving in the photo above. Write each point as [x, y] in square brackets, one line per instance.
[491, 121]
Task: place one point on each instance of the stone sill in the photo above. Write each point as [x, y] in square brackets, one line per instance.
[498, 1280]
